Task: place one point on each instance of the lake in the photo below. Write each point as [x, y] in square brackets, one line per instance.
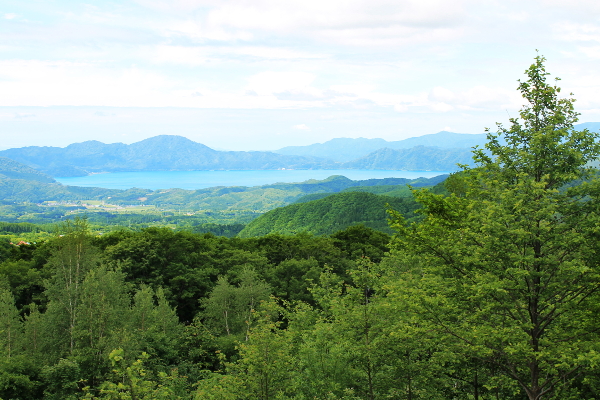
[203, 179]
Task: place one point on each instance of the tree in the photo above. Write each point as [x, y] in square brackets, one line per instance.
[11, 326]
[508, 267]
[153, 328]
[265, 363]
[132, 381]
[229, 309]
[220, 306]
[100, 326]
[70, 262]
[251, 291]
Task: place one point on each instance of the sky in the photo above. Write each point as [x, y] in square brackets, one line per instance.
[264, 74]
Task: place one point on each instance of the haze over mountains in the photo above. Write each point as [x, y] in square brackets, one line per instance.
[441, 151]
[345, 149]
[159, 153]
[176, 153]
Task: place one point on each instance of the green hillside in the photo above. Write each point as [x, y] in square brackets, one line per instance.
[10, 169]
[27, 195]
[330, 214]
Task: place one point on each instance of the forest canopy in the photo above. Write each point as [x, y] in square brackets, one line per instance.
[491, 292]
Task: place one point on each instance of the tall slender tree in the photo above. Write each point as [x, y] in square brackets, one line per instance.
[508, 267]
[11, 326]
[73, 257]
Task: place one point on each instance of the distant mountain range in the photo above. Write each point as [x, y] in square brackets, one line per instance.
[418, 158]
[436, 152]
[159, 153]
[346, 149]
[176, 153]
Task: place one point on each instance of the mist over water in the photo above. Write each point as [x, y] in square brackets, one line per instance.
[192, 180]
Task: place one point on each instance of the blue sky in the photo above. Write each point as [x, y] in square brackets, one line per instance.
[263, 74]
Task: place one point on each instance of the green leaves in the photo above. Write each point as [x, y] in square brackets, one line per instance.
[229, 309]
[543, 144]
[507, 262]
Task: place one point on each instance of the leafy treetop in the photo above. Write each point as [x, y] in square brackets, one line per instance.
[543, 144]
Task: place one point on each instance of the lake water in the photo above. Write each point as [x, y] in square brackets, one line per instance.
[203, 179]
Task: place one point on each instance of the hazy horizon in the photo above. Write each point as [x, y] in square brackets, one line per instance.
[263, 75]
[224, 149]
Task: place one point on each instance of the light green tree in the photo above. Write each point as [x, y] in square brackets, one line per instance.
[33, 332]
[72, 258]
[219, 307]
[102, 304]
[508, 269]
[11, 326]
[230, 309]
[266, 364]
[154, 328]
[251, 291]
[131, 381]
[100, 326]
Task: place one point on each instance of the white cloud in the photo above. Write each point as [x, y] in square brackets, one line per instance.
[180, 55]
[295, 54]
[590, 51]
[67, 83]
[478, 97]
[440, 94]
[272, 82]
[441, 107]
[351, 22]
[10, 16]
[201, 55]
[577, 32]
[301, 127]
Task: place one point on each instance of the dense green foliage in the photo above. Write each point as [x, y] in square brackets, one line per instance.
[330, 214]
[7, 228]
[67, 303]
[507, 267]
[491, 294]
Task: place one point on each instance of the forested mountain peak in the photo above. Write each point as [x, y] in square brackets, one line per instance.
[93, 147]
[171, 143]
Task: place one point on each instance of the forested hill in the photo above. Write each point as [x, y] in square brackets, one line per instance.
[160, 153]
[10, 169]
[331, 214]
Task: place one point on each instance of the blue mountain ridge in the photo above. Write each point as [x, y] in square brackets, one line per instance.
[435, 152]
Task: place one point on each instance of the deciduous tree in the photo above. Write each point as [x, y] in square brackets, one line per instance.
[509, 267]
